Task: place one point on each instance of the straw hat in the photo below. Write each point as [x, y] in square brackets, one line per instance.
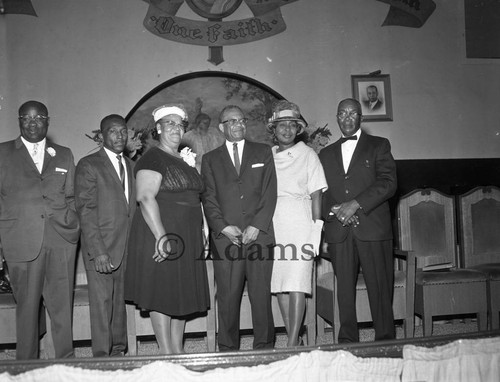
[286, 111]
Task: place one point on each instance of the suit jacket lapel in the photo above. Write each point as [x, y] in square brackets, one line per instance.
[108, 166]
[245, 158]
[47, 158]
[358, 150]
[131, 188]
[227, 160]
[338, 155]
[24, 154]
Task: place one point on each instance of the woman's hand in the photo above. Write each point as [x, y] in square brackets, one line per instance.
[160, 254]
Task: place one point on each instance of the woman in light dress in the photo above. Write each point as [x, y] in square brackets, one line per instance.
[296, 221]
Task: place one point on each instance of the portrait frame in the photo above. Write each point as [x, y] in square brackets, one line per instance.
[381, 83]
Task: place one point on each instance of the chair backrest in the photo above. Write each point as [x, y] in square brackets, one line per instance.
[480, 226]
[426, 225]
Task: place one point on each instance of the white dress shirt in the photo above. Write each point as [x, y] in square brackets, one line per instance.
[40, 152]
[114, 161]
[241, 145]
[348, 148]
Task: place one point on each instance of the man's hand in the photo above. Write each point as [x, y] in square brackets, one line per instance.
[345, 213]
[233, 233]
[102, 264]
[250, 234]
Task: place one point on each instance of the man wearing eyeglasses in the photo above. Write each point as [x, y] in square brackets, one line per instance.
[239, 202]
[361, 176]
[39, 229]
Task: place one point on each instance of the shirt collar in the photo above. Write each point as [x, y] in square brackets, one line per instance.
[357, 134]
[229, 144]
[111, 154]
[29, 145]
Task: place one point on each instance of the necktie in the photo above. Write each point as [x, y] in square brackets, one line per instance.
[35, 150]
[351, 138]
[236, 157]
[122, 170]
[36, 157]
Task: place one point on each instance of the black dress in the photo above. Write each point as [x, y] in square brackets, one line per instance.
[177, 286]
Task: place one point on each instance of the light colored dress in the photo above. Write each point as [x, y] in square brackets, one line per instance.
[299, 174]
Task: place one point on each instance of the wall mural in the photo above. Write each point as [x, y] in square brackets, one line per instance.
[207, 93]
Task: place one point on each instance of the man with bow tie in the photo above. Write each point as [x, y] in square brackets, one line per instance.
[361, 176]
[39, 229]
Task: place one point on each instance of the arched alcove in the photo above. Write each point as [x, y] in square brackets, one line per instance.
[208, 92]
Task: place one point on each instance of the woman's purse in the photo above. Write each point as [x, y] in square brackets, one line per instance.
[5, 280]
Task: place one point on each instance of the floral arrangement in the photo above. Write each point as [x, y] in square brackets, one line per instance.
[134, 142]
[51, 151]
[317, 137]
[188, 156]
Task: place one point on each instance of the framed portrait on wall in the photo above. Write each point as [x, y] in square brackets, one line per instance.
[374, 95]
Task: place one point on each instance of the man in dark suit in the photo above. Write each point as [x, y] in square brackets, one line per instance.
[39, 229]
[239, 203]
[361, 177]
[105, 201]
[373, 103]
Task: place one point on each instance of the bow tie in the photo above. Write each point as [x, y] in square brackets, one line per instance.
[351, 138]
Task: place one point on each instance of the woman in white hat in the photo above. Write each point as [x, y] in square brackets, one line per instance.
[296, 221]
[164, 273]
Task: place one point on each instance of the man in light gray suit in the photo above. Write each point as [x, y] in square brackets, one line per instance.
[39, 229]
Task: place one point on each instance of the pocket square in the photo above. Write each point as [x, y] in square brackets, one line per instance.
[58, 169]
[255, 165]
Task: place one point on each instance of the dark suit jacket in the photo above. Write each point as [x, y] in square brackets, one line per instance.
[376, 106]
[104, 212]
[370, 179]
[247, 199]
[28, 199]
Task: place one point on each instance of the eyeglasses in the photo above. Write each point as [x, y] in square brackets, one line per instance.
[37, 118]
[170, 125]
[234, 121]
[345, 114]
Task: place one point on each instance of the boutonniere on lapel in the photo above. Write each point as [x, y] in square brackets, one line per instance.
[367, 163]
[188, 156]
[51, 151]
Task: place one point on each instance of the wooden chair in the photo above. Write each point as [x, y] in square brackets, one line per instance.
[139, 323]
[426, 225]
[327, 301]
[479, 211]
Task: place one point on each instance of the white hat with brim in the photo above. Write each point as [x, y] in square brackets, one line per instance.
[165, 110]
